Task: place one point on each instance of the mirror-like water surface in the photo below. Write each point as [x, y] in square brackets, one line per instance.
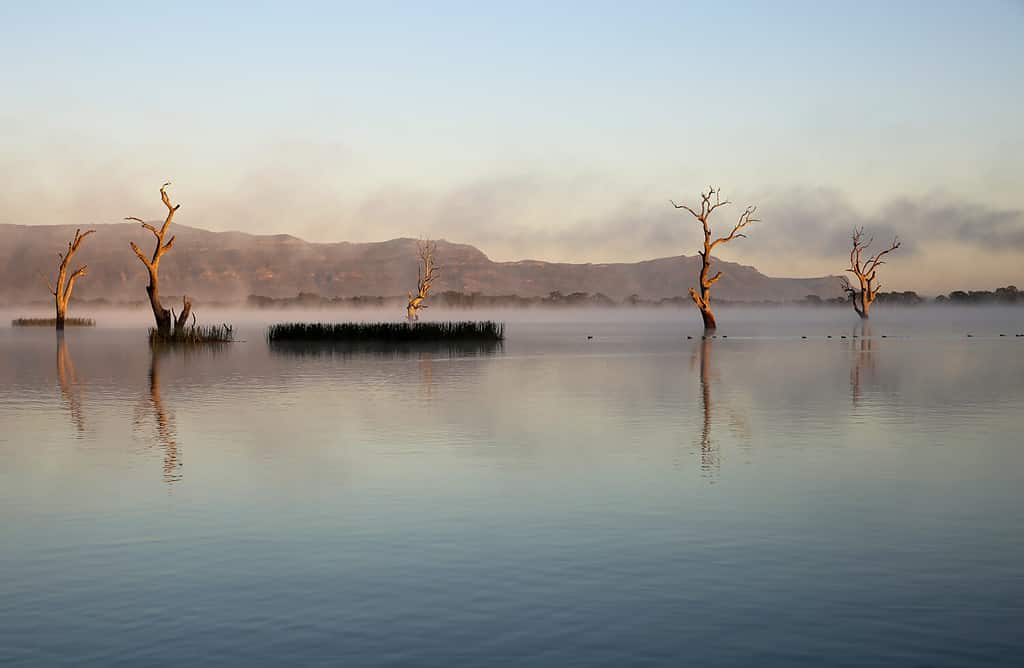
[633, 499]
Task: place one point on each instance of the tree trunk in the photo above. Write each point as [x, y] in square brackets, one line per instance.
[182, 320]
[160, 314]
[702, 300]
[709, 318]
[61, 315]
[865, 299]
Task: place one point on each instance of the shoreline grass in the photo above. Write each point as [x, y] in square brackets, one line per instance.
[194, 335]
[52, 322]
[387, 332]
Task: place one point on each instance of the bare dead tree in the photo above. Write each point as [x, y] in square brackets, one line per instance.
[425, 275]
[709, 201]
[65, 283]
[164, 317]
[865, 270]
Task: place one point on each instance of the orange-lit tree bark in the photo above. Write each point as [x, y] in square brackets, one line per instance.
[164, 317]
[65, 284]
[424, 279]
[865, 270]
[709, 201]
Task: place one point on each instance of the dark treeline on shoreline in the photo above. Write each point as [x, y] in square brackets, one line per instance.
[452, 299]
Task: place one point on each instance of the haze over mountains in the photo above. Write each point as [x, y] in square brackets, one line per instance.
[229, 266]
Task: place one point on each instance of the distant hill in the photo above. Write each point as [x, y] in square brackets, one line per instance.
[228, 266]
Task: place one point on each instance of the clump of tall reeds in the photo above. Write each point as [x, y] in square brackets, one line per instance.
[386, 332]
[194, 334]
[52, 322]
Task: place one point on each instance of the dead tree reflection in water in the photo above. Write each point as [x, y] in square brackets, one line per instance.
[69, 383]
[166, 435]
[710, 454]
[863, 360]
[426, 364]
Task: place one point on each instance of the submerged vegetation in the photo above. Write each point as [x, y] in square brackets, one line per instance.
[192, 335]
[387, 332]
[52, 322]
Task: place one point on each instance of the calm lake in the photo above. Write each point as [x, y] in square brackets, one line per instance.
[636, 498]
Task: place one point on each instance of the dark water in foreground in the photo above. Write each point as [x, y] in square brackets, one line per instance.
[635, 499]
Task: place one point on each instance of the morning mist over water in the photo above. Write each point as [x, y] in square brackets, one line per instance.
[509, 334]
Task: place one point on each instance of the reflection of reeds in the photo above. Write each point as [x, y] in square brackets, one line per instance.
[52, 322]
[68, 382]
[195, 334]
[387, 332]
[384, 349]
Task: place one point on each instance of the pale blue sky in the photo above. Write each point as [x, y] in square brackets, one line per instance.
[551, 130]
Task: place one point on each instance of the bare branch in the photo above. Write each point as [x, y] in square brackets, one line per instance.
[683, 206]
[49, 285]
[145, 260]
[746, 218]
[81, 271]
[166, 199]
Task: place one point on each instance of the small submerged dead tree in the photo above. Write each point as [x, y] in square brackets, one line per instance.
[709, 201]
[425, 275]
[65, 283]
[865, 270]
[165, 318]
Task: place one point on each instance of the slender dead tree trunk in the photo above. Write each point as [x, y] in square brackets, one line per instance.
[65, 284]
[709, 201]
[424, 279]
[865, 271]
[164, 317]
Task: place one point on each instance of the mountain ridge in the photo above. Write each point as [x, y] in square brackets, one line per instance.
[230, 265]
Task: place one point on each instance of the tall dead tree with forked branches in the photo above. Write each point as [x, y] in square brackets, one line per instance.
[164, 317]
[425, 274]
[865, 270]
[709, 201]
[65, 284]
